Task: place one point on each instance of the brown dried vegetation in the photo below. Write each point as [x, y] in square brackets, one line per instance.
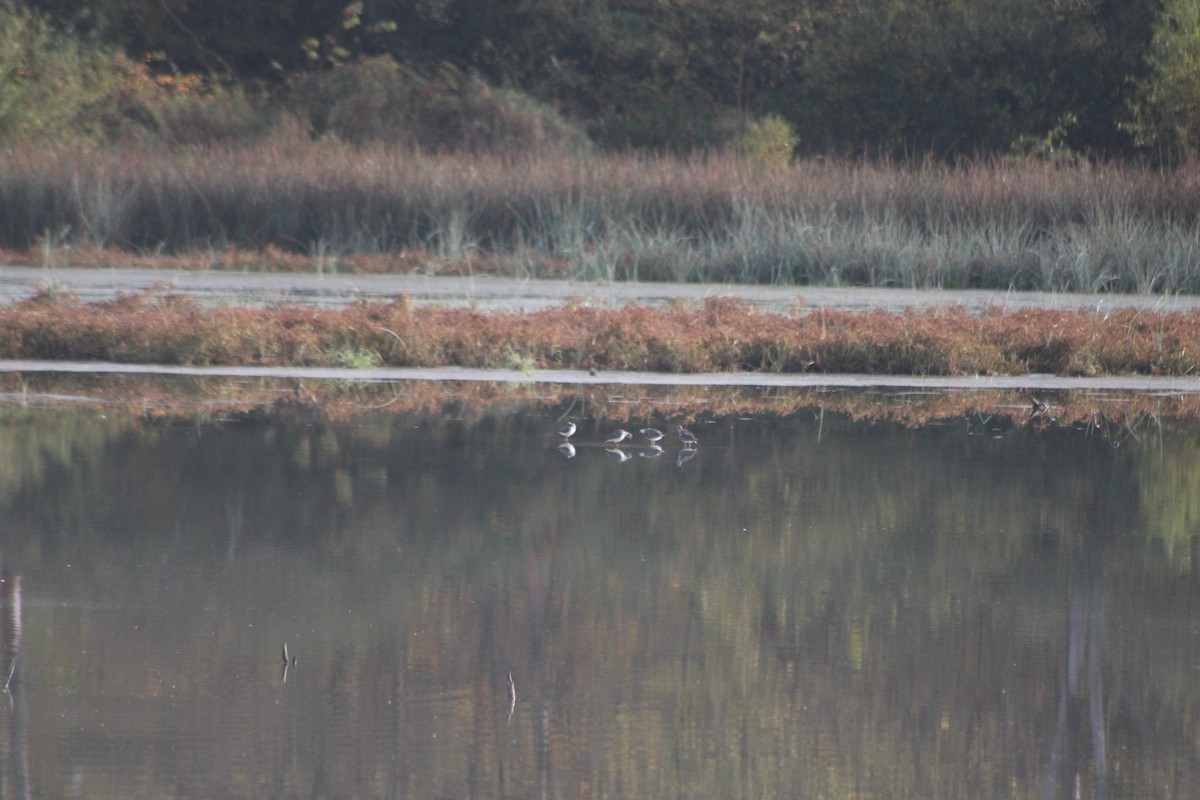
[720, 335]
[295, 204]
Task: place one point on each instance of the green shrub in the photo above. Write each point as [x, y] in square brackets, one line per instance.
[377, 100]
[52, 85]
[370, 99]
[767, 142]
[1051, 146]
[219, 114]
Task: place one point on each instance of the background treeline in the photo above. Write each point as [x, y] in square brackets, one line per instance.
[945, 78]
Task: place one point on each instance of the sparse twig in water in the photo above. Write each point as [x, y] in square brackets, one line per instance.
[288, 662]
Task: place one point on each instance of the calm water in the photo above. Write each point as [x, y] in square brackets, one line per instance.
[805, 608]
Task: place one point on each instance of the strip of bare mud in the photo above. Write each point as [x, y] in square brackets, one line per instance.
[1040, 383]
[488, 293]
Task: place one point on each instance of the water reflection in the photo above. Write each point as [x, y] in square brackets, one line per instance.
[804, 607]
[14, 772]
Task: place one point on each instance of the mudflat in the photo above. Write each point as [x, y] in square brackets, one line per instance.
[488, 293]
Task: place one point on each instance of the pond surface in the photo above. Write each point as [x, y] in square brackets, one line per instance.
[804, 607]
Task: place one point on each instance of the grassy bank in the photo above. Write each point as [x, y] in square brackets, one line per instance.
[324, 206]
[720, 335]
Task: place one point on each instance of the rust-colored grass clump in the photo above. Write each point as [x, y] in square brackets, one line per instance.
[720, 335]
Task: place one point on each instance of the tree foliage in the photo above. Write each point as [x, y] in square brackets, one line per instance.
[1167, 106]
[51, 84]
[894, 77]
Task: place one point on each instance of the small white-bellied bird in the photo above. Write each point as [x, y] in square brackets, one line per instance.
[687, 437]
[618, 436]
[566, 430]
[651, 434]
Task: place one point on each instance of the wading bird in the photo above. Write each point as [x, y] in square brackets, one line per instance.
[618, 436]
[566, 430]
[651, 434]
[687, 437]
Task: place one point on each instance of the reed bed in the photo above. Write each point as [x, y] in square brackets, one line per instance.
[719, 335]
[326, 205]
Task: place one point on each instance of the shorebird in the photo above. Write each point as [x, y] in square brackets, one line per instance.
[687, 437]
[651, 434]
[1036, 405]
[618, 436]
[567, 449]
[566, 430]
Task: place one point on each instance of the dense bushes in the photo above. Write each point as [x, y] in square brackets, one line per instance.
[1167, 105]
[897, 77]
[377, 100]
[55, 86]
[52, 86]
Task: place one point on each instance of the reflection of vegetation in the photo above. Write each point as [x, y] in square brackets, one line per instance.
[1168, 480]
[33, 444]
[847, 607]
[1116, 415]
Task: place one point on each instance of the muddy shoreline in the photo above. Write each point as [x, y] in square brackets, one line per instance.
[1142, 383]
[488, 293]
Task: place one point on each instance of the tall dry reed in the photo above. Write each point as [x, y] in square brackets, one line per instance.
[1004, 224]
